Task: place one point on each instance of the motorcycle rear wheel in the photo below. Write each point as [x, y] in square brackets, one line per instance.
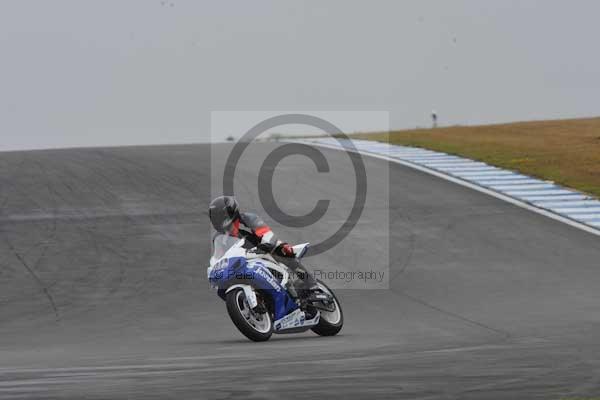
[330, 323]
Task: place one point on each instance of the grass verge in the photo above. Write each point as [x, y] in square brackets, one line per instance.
[564, 151]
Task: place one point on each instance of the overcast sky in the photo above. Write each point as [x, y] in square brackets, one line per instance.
[83, 73]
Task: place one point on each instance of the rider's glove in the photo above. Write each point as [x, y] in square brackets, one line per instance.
[284, 250]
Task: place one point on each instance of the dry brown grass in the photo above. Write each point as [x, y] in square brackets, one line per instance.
[564, 151]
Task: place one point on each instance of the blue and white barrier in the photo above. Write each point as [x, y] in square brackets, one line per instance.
[558, 202]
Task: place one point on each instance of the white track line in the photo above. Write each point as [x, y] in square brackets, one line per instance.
[484, 174]
[457, 164]
[565, 215]
[578, 210]
[503, 178]
[510, 182]
[523, 187]
[583, 204]
[519, 193]
[564, 197]
[589, 217]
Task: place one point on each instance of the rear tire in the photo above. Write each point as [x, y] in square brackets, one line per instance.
[330, 323]
[256, 327]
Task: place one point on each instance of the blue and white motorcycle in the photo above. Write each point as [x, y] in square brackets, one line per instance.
[257, 291]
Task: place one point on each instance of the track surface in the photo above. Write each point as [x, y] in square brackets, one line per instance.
[103, 291]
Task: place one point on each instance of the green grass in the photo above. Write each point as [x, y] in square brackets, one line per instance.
[564, 151]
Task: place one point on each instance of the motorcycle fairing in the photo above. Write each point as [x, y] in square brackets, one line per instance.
[232, 270]
[295, 319]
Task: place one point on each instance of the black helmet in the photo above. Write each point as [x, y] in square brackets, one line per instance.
[223, 211]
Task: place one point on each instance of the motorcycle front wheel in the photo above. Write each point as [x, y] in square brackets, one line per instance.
[255, 326]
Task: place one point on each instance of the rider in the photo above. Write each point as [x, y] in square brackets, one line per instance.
[226, 218]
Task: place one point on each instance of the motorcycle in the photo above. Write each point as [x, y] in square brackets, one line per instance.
[258, 292]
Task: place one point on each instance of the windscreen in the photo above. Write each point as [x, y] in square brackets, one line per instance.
[221, 244]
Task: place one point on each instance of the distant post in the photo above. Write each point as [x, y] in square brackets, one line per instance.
[434, 118]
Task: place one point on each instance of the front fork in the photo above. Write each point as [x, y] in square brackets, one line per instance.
[248, 292]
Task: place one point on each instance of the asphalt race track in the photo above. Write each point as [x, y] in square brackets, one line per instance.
[103, 290]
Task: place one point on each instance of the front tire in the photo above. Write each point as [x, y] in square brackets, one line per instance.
[330, 323]
[255, 326]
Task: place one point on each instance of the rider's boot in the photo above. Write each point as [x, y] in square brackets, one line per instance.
[303, 287]
[309, 292]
